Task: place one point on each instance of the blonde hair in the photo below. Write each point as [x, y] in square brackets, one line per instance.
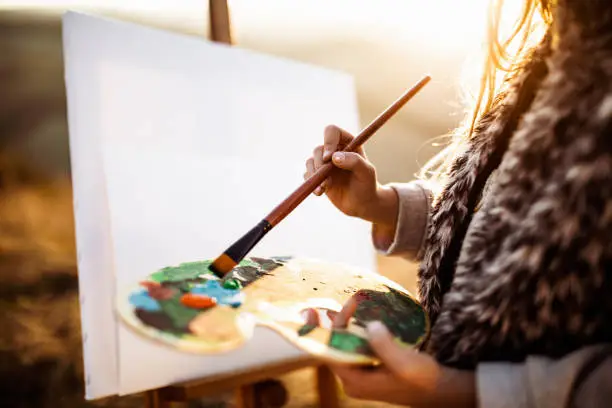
[502, 57]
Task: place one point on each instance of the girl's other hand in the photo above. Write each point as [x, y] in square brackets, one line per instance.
[405, 377]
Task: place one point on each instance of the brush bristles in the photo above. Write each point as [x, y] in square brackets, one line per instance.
[222, 265]
[239, 249]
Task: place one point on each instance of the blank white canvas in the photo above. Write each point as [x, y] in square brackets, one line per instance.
[179, 146]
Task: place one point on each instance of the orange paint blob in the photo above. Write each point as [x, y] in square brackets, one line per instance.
[197, 301]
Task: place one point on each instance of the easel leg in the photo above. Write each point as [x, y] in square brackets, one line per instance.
[153, 399]
[263, 394]
[327, 388]
[245, 397]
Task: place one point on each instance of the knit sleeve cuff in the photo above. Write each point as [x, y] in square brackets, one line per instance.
[501, 385]
[414, 202]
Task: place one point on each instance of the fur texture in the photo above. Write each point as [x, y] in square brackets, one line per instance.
[529, 272]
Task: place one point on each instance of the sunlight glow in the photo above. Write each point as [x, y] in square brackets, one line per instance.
[444, 36]
[440, 24]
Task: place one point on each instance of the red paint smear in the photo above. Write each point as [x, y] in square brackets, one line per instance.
[157, 291]
[197, 301]
[361, 296]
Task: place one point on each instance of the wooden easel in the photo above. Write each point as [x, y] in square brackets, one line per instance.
[254, 388]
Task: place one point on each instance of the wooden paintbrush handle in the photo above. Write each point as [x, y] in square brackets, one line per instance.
[299, 195]
[307, 188]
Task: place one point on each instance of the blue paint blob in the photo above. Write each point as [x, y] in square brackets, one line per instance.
[223, 296]
[142, 300]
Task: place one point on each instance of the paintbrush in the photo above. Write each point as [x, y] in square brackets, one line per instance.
[239, 249]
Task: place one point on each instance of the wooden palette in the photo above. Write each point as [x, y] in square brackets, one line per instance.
[295, 297]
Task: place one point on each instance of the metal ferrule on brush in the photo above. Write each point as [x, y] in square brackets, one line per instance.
[235, 253]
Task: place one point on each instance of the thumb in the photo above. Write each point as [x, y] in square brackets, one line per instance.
[341, 319]
[405, 362]
[352, 162]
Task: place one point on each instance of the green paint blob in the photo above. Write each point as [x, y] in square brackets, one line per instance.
[185, 286]
[178, 314]
[305, 329]
[232, 284]
[185, 271]
[350, 343]
[248, 262]
[404, 318]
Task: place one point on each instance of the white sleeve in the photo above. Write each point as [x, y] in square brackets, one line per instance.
[580, 380]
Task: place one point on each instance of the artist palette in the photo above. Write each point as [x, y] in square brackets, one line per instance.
[186, 307]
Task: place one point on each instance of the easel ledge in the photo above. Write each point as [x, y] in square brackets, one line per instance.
[253, 387]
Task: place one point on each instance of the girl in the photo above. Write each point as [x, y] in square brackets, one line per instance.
[511, 224]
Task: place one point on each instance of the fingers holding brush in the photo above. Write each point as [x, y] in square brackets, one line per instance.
[317, 156]
[353, 187]
[319, 161]
[310, 170]
[313, 164]
[336, 138]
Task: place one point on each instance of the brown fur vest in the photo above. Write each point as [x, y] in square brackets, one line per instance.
[530, 272]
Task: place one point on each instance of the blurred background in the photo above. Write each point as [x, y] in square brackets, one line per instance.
[386, 44]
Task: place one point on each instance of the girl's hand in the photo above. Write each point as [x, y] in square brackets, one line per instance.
[354, 190]
[406, 377]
